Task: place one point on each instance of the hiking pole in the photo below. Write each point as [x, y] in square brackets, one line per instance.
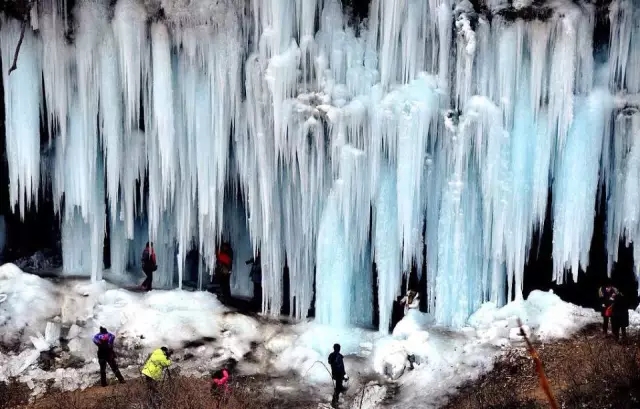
[544, 382]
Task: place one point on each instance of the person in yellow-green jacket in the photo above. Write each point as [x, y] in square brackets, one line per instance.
[153, 370]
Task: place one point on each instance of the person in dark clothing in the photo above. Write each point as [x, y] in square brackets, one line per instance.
[338, 373]
[607, 293]
[620, 316]
[149, 265]
[256, 278]
[106, 356]
[224, 265]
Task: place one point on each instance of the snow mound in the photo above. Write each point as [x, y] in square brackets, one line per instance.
[445, 359]
[27, 302]
[544, 313]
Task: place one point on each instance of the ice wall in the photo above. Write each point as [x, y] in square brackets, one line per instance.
[3, 236]
[342, 143]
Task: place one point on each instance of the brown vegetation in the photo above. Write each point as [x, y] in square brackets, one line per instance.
[177, 393]
[588, 371]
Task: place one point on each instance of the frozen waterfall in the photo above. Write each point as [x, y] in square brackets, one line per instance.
[328, 146]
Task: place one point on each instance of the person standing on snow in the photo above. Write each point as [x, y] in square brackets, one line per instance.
[153, 370]
[607, 294]
[338, 373]
[620, 316]
[106, 356]
[224, 265]
[149, 265]
[256, 278]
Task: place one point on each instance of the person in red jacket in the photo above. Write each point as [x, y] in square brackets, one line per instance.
[224, 265]
[220, 386]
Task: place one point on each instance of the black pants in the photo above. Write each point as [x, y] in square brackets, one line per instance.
[257, 297]
[223, 277]
[153, 392]
[338, 389]
[111, 361]
[605, 325]
[146, 284]
[616, 329]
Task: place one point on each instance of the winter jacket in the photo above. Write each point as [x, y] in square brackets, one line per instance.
[149, 263]
[104, 342]
[336, 360]
[224, 257]
[222, 384]
[607, 296]
[156, 363]
[620, 317]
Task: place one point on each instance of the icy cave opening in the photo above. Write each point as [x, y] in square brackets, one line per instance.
[435, 141]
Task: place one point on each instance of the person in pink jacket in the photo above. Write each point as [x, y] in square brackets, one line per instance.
[220, 385]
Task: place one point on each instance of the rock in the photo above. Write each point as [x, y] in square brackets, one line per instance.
[47, 360]
[68, 360]
[370, 396]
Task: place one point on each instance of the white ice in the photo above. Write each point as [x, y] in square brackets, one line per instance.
[282, 111]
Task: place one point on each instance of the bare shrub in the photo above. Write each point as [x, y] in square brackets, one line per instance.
[175, 393]
[588, 370]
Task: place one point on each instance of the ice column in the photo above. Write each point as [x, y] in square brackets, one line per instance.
[334, 276]
[576, 184]
[22, 94]
[386, 246]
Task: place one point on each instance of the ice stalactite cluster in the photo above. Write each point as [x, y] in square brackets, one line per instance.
[279, 126]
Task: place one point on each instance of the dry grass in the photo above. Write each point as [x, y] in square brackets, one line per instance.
[588, 371]
[178, 393]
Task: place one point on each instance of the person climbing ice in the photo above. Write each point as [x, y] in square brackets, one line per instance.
[149, 265]
[410, 301]
[338, 373]
[256, 279]
[106, 356]
[607, 294]
[153, 371]
[224, 265]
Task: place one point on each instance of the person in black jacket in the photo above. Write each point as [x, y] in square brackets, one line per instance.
[620, 316]
[336, 360]
[256, 278]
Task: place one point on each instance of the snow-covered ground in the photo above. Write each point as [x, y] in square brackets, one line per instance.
[36, 313]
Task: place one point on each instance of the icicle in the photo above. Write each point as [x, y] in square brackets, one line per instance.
[387, 250]
[129, 27]
[575, 186]
[163, 116]
[22, 93]
[111, 119]
[56, 64]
